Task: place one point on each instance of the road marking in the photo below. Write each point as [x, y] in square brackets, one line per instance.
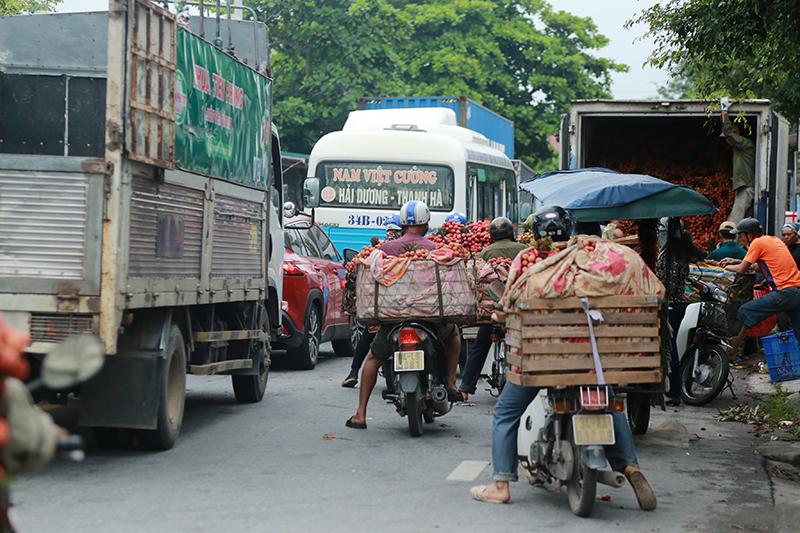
[467, 471]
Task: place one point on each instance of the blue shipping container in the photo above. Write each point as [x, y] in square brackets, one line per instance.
[469, 114]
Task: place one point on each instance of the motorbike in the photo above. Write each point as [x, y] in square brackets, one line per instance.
[562, 437]
[416, 374]
[702, 342]
[33, 438]
[496, 376]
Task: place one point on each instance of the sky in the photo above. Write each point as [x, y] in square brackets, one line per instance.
[610, 17]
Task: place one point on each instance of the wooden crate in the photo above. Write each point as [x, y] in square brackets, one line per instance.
[548, 342]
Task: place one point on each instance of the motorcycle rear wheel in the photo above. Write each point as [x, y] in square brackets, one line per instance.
[713, 356]
[414, 409]
[582, 486]
[638, 412]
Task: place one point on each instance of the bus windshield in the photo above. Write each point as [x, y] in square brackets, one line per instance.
[385, 185]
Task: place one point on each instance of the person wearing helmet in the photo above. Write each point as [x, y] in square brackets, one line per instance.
[514, 400]
[393, 229]
[728, 247]
[414, 219]
[772, 257]
[361, 349]
[461, 218]
[552, 221]
[501, 232]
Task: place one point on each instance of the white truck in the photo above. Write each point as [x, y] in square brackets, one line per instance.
[140, 200]
[676, 135]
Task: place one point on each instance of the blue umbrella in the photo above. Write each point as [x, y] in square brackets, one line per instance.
[596, 194]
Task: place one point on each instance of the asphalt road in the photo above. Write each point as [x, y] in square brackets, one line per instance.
[289, 464]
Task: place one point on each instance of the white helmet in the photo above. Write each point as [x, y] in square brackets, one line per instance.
[414, 213]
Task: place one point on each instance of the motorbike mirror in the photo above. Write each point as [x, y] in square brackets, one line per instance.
[74, 361]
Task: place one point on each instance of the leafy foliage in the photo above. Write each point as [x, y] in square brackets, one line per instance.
[519, 58]
[15, 7]
[737, 48]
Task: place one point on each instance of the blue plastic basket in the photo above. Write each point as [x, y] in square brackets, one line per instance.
[783, 356]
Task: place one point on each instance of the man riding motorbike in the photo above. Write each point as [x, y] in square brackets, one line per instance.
[414, 218]
[501, 231]
[555, 222]
[393, 231]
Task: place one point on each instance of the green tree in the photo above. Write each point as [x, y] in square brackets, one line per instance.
[520, 58]
[326, 54]
[737, 48]
[14, 7]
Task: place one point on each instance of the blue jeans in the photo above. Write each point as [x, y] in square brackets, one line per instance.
[512, 404]
[476, 359]
[784, 300]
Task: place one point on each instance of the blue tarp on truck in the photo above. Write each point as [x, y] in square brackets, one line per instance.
[469, 114]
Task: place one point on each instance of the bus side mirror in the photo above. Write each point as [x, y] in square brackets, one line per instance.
[311, 193]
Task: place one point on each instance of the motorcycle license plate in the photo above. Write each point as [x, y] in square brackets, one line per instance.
[409, 361]
[593, 429]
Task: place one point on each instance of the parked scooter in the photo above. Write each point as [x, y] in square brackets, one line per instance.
[416, 374]
[702, 342]
[561, 440]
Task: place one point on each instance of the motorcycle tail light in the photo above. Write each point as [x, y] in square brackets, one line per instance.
[409, 339]
[594, 398]
[618, 404]
[564, 406]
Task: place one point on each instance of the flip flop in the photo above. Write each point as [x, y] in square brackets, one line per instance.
[479, 493]
[355, 425]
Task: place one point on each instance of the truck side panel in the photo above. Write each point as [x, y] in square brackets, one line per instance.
[498, 129]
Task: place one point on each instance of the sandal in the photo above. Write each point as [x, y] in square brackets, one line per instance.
[355, 425]
[479, 493]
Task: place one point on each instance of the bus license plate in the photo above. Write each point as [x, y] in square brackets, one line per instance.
[593, 429]
[409, 361]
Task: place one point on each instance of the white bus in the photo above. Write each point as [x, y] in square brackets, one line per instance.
[383, 158]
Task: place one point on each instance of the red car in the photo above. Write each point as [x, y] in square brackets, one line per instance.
[313, 293]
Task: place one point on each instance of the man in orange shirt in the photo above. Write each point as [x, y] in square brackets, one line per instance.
[777, 265]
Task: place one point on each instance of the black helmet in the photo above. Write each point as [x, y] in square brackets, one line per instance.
[749, 225]
[501, 228]
[552, 221]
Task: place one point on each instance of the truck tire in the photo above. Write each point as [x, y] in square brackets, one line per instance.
[250, 388]
[172, 395]
[306, 355]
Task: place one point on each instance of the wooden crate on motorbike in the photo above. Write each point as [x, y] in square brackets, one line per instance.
[426, 291]
[549, 345]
